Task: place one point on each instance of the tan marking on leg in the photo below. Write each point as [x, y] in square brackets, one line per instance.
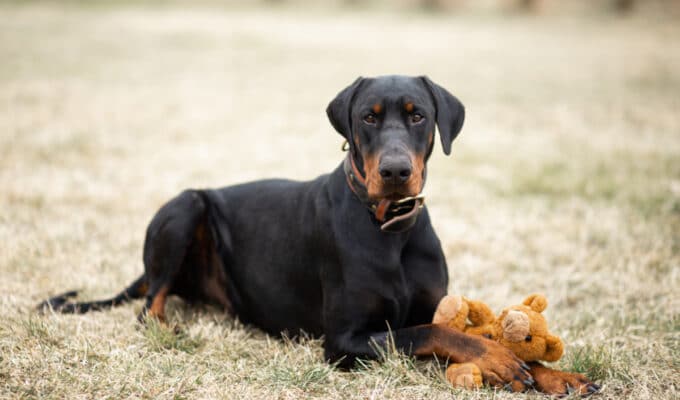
[496, 363]
[157, 308]
[213, 278]
[554, 382]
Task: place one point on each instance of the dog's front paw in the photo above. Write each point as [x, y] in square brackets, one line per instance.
[561, 383]
[501, 368]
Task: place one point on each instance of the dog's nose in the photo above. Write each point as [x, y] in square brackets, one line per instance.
[395, 170]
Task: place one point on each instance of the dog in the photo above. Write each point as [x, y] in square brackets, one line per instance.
[350, 255]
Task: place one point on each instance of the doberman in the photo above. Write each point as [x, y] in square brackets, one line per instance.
[350, 255]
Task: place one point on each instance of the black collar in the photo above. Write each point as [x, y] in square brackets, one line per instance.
[394, 216]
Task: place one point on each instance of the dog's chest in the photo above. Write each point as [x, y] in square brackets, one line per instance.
[390, 299]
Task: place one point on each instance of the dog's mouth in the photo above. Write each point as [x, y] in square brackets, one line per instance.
[397, 196]
[393, 193]
[398, 215]
[404, 205]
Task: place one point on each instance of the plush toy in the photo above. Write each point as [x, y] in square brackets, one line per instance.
[521, 328]
[524, 330]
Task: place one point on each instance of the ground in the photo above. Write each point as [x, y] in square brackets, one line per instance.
[565, 180]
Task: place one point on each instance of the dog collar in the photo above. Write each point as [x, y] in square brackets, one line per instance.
[394, 215]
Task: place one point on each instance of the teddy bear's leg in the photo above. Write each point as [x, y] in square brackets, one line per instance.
[554, 382]
[466, 375]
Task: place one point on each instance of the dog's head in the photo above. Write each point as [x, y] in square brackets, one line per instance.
[389, 122]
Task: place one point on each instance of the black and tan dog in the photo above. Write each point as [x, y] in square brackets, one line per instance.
[349, 255]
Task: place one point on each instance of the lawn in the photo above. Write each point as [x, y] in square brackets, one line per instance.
[565, 180]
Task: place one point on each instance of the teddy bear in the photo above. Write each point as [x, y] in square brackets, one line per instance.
[522, 329]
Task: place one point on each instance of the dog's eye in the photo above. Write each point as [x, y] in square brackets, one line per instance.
[370, 119]
[416, 118]
[528, 338]
[487, 335]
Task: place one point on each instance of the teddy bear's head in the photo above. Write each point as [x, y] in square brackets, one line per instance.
[524, 330]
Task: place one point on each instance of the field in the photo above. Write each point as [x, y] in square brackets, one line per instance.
[565, 180]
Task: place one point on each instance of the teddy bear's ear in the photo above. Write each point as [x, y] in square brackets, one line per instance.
[480, 313]
[536, 302]
[553, 348]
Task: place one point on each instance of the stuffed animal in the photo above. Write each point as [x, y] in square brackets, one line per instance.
[524, 330]
[521, 328]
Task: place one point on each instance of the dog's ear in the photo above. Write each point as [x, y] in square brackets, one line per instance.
[450, 113]
[340, 107]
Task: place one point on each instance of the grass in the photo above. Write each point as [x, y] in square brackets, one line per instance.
[565, 180]
[599, 363]
[161, 337]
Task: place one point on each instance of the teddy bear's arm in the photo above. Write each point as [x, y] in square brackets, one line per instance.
[480, 313]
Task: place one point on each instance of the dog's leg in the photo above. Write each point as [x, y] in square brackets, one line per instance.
[499, 366]
[554, 382]
[168, 239]
[155, 305]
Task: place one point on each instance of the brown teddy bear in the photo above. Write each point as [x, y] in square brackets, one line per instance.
[522, 329]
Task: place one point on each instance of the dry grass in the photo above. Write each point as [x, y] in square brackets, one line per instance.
[566, 180]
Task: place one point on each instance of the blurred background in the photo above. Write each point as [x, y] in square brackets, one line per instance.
[565, 179]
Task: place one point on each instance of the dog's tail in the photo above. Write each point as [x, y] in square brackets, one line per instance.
[61, 303]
